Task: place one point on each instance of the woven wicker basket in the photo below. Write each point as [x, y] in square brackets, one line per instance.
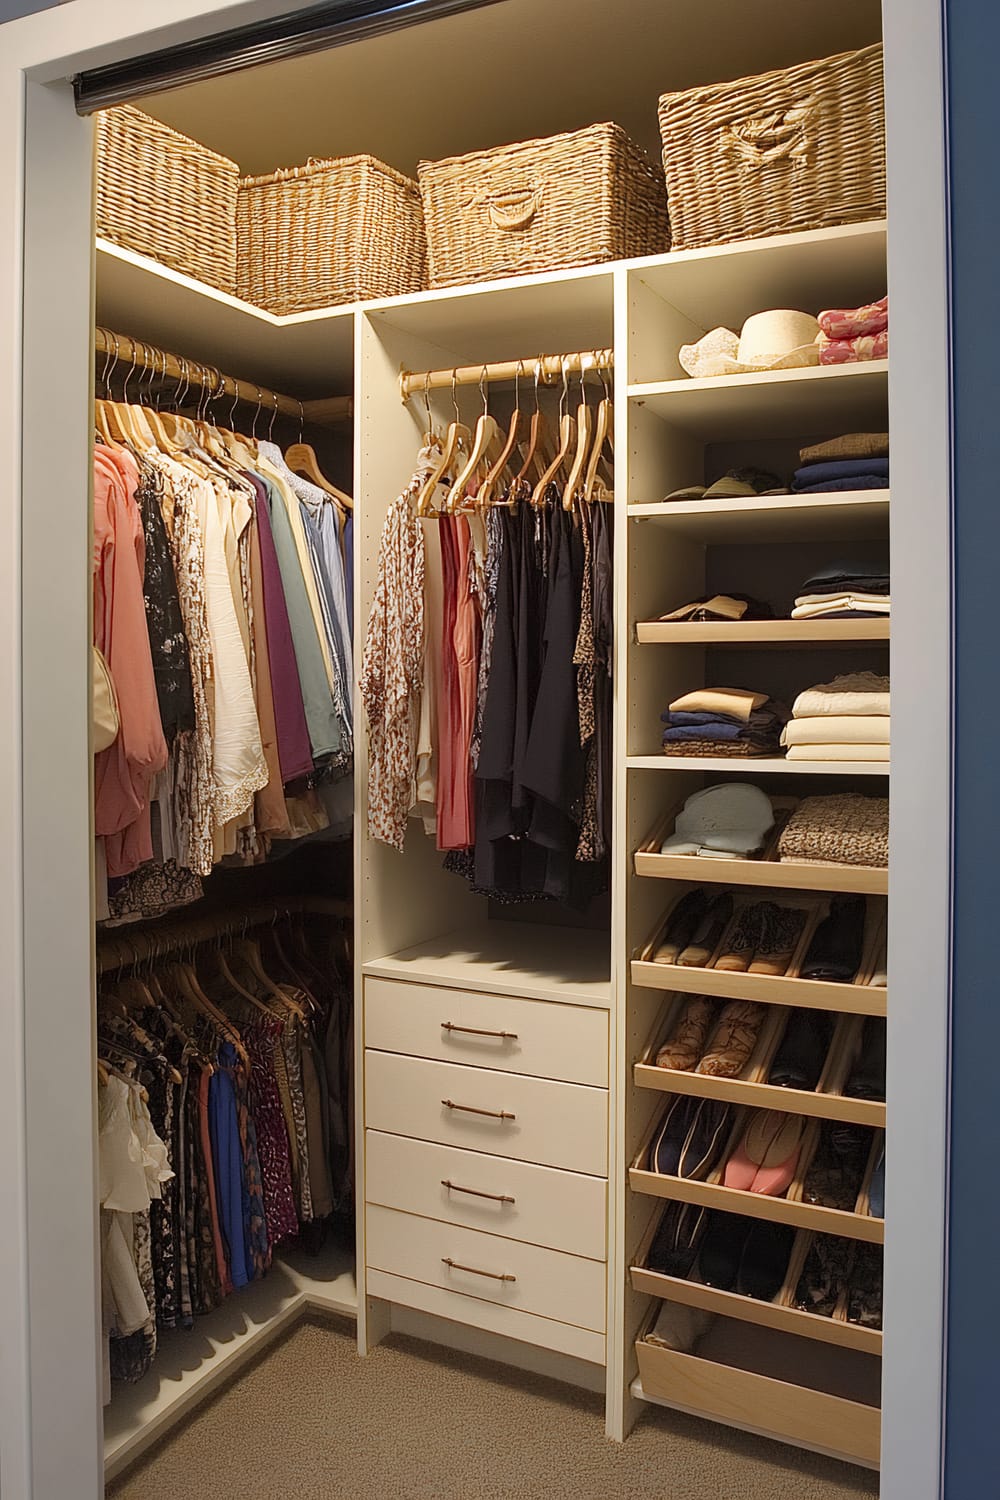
[797, 149]
[330, 232]
[568, 200]
[166, 196]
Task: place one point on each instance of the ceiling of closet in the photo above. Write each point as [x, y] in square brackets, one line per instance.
[510, 71]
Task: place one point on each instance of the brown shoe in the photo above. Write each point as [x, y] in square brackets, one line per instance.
[686, 1042]
[733, 1040]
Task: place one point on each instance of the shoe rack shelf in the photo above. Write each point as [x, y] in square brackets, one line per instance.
[760, 632]
[856, 1224]
[770, 1367]
[750, 1087]
[857, 998]
[780, 1313]
[767, 870]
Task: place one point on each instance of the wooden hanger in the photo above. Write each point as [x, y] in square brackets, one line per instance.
[537, 437]
[497, 470]
[584, 433]
[486, 435]
[457, 437]
[187, 981]
[604, 428]
[301, 459]
[249, 952]
[567, 437]
[233, 982]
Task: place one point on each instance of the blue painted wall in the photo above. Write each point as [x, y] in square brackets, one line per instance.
[972, 1466]
[11, 9]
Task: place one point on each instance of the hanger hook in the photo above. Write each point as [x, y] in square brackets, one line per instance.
[302, 419]
[484, 388]
[256, 415]
[274, 413]
[105, 383]
[427, 401]
[564, 397]
[518, 372]
[236, 402]
[182, 384]
[131, 372]
[454, 398]
[538, 376]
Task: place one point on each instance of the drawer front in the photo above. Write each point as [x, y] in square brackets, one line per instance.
[545, 1282]
[567, 1042]
[558, 1210]
[541, 1333]
[553, 1124]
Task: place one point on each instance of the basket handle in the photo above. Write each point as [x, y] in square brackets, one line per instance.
[784, 135]
[514, 210]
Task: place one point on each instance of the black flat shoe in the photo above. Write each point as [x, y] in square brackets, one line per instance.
[681, 925]
[764, 1262]
[710, 1127]
[669, 1141]
[803, 1051]
[722, 1249]
[677, 1238]
[838, 942]
[867, 1080]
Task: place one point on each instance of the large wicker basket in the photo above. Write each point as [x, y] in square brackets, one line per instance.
[166, 196]
[334, 231]
[569, 200]
[797, 149]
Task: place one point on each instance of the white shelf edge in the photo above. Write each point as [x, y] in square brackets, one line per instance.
[770, 505]
[180, 1388]
[762, 379]
[431, 295]
[756, 765]
[639, 1394]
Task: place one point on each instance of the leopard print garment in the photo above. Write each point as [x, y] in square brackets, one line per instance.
[392, 671]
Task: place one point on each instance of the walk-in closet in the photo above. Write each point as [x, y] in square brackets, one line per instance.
[491, 712]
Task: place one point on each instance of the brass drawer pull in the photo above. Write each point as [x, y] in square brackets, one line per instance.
[470, 1109]
[453, 1187]
[503, 1036]
[453, 1265]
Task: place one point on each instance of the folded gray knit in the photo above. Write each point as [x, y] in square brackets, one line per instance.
[845, 829]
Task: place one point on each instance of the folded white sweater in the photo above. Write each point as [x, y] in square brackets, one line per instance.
[838, 752]
[827, 729]
[853, 693]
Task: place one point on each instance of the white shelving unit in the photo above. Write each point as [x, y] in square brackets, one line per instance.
[417, 924]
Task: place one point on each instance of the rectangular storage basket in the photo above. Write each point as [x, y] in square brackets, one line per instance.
[333, 231]
[166, 196]
[797, 149]
[569, 200]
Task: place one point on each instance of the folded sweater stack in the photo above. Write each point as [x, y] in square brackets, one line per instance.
[846, 719]
[856, 461]
[844, 829]
[723, 721]
[857, 590]
[856, 333]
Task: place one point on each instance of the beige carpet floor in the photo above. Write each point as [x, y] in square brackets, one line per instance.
[312, 1421]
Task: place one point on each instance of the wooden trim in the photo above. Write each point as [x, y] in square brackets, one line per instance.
[760, 632]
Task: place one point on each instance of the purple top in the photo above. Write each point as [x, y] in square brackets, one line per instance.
[291, 729]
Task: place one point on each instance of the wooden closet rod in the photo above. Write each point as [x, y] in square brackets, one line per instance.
[549, 368]
[123, 952]
[122, 348]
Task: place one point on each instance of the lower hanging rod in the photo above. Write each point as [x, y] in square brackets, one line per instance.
[545, 368]
[136, 354]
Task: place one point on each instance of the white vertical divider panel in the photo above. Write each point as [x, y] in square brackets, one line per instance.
[58, 987]
[619, 1416]
[399, 899]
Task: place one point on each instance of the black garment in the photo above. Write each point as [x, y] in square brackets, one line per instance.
[164, 621]
[804, 1047]
[867, 1080]
[602, 595]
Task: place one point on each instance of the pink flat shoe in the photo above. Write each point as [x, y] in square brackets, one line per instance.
[740, 1171]
[776, 1172]
[752, 1150]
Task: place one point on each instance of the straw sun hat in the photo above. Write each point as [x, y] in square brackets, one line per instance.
[780, 339]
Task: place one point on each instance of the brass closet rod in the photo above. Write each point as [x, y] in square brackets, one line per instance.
[138, 355]
[120, 951]
[547, 367]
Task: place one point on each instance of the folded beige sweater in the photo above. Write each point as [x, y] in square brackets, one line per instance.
[739, 703]
[838, 752]
[844, 729]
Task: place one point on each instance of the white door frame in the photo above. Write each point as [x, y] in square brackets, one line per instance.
[50, 1446]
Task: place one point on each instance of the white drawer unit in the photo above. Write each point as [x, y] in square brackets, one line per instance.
[558, 1210]
[565, 1288]
[503, 1114]
[567, 1042]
